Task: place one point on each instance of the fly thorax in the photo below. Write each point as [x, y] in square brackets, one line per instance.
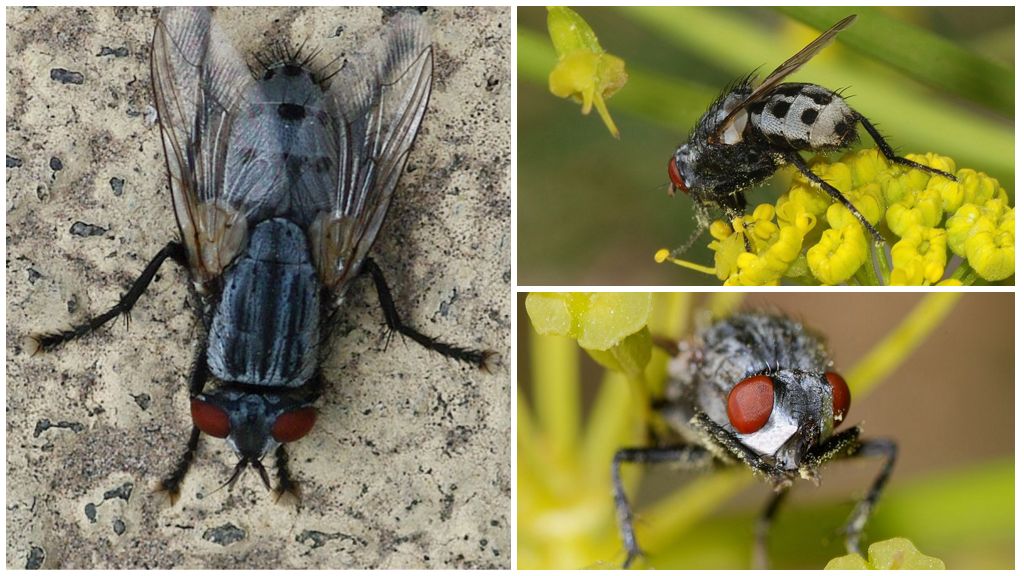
[280, 156]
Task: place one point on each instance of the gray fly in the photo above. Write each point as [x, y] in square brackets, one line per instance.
[756, 390]
[281, 174]
[751, 130]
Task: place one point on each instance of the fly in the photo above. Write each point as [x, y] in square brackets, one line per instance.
[751, 130]
[757, 390]
[281, 174]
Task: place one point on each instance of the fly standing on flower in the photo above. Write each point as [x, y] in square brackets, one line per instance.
[281, 175]
[751, 130]
[756, 390]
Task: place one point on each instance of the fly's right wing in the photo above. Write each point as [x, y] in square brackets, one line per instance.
[379, 99]
[200, 83]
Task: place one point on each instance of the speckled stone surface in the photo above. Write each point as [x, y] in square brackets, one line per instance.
[408, 466]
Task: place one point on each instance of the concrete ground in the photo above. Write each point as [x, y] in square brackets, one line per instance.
[409, 464]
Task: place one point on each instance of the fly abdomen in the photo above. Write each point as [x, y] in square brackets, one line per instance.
[804, 117]
[266, 328]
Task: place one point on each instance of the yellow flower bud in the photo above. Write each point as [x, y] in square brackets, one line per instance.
[727, 252]
[585, 72]
[979, 187]
[720, 230]
[933, 160]
[990, 249]
[839, 253]
[768, 267]
[867, 165]
[962, 225]
[918, 208]
[922, 250]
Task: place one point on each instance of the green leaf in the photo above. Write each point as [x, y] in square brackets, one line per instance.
[892, 554]
[597, 320]
[629, 356]
[570, 32]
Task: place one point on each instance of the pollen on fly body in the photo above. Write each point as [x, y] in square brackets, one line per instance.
[752, 129]
[281, 173]
[760, 391]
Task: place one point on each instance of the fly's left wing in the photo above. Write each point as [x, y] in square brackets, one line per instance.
[379, 98]
[200, 83]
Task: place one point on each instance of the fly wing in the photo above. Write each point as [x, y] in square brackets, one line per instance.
[379, 98]
[199, 83]
[785, 69]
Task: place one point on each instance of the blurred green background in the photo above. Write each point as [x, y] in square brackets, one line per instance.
[592, 210]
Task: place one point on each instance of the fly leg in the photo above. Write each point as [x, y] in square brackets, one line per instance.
[764, 524]
[847, 444]
[173, 250]
[891, 155]
[691, 456]
[798, 161]
[196, 382]
[859, 517]
[479, 358]
[727, 443]
[172, 484]
[285, 484]
[728, 446]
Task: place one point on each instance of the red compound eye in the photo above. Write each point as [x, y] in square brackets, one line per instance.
[673, 175]
[750, 404]
[210, 418]
[840, 397]
[293, 425]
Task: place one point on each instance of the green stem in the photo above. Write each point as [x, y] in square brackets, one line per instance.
[556, 391]
[723, 304]
[965, 274]
[901, 342]
[882, 258]
[865, 275]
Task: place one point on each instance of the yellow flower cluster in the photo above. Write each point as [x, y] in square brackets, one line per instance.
[808, 237]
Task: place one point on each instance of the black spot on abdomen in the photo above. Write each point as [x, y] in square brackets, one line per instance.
[820, 98]
[780, 109]
[292, 112]
[809, 116]
[789, 89]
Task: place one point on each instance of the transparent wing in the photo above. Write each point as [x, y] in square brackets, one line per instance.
[380, 98]
[199, 83]
[785, 69]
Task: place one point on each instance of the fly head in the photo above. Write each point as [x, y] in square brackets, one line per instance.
[784, 414]
[254, 425]
[715, 170]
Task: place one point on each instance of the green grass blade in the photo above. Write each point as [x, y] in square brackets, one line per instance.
[919, 54]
